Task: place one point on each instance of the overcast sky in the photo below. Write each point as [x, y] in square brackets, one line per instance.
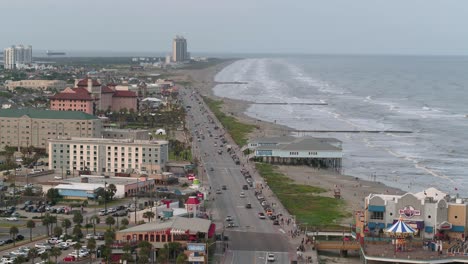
[240, 26]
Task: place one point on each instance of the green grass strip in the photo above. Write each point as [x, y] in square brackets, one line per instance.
[236, 129]
[303, 201]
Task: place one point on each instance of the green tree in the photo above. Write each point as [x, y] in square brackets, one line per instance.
[149, 215]
[55, 252]
[53, 220]
[77, 232]
[53, 194]
[77, 247]
[13, 232]
[66, 223]
[45, 256]
[145, 251]
[110, 221]
[109, 237]
[28, 192]
[181, 259]
[127, 248]
[30, 224]
[46, 223]
[58, 231]
[111, 190]
[91, 246]
[19, 260]
[77, 218]
[174, 248]
[32, 254]
[124, 223]
[96, 220]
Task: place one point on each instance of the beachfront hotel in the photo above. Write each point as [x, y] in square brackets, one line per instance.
[316, 152]
[103, 155]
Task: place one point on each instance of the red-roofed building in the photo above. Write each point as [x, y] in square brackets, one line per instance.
[90, 96]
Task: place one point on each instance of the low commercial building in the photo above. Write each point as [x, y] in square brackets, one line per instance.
[432, 213]
[86, 186]
[34, 127]
[320, 152]
[103, 155]
[176, 229]
[37, 84]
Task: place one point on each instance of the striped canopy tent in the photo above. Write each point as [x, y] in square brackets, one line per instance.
[400, 229]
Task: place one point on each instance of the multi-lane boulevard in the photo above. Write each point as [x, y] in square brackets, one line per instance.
[251, 238]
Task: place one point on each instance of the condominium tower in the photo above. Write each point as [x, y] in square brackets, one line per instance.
[179, 49]
[17, 55]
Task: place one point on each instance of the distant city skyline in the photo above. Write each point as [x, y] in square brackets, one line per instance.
[303, 27]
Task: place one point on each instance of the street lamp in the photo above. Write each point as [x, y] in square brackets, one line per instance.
[105, 197]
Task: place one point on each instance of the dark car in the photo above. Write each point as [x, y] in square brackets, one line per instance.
[224, 187]
[19, 237]
[245, 187]
[276, 222]
[8, 241]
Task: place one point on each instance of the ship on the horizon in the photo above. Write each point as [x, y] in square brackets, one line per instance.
[54, 53]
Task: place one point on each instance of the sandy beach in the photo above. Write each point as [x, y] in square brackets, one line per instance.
[353, 190]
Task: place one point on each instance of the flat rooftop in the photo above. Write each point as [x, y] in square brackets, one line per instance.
[109, 141]
[100, 180]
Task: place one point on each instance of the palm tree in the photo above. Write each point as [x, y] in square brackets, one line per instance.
[32, 254]
[77, 247]
[124, 223]
[91, 245]
[58, 231]
[149, 215]
[46, 222]
[30, 224]
[45, 256]
[77, 232]
[53, 220]
[110, 221]
[66, 223]
[55, 252]
[112, 189]
[77, 218]
[13, 232]
[96, 220]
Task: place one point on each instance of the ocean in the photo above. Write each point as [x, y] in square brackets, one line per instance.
[427, 95]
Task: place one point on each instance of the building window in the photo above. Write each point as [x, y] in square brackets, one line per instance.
[377, 215]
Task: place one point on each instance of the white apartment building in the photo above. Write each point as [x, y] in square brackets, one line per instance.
[15, 55]
[103, 155]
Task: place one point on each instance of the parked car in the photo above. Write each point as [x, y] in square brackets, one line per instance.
[19, 237]
[12, 219]
[69, 258]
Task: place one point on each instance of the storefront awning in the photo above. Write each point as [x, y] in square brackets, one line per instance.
[429, 229]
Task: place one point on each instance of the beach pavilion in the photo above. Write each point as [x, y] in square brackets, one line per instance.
[316, 152]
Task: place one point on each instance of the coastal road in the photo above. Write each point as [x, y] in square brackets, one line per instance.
[252, 237]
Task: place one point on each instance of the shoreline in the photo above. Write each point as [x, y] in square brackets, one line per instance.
[353, 190]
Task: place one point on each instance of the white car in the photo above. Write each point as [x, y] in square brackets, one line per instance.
[42, 246]
[12, 218]
[242, 195]
[58, 177]
[271, 257]
[102, 212]
[228, 218]
[89, 236]
[70, 242]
